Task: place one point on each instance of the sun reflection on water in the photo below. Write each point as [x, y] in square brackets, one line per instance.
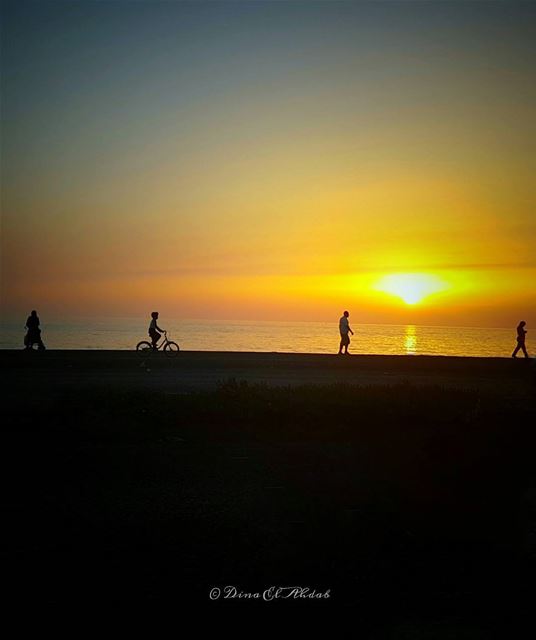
[410, 339]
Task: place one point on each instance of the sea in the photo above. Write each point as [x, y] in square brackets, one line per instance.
[268, 336]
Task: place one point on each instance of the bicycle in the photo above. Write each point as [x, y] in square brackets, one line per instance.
[169, 347]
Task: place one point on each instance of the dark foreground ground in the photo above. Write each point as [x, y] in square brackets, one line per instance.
[202, 370]
[408, 493]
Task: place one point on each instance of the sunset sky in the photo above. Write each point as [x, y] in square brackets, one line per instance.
[270, 160]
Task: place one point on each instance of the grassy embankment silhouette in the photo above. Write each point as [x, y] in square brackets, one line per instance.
[409, 503]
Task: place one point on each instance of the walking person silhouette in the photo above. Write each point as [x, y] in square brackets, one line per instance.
[33, 335]
[521, 333]
[344, 329]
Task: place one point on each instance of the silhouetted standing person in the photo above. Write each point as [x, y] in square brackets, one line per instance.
[154, 330]
[33, 335]
[344, 330]
[521, 333]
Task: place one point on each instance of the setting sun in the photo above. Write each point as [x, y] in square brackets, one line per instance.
[307, 158]
[412, 288]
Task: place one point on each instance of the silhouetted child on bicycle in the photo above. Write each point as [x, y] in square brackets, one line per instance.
[154, 330]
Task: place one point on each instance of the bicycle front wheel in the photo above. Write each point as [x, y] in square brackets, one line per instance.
[171, 349]
[144, 348]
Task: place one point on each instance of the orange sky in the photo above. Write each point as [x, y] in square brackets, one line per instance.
[279, 168]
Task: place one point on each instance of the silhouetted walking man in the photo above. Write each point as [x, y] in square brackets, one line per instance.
[33, 335]
[521, 333]
[344, 329]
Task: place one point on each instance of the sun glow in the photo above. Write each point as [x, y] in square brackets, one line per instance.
[412, 288]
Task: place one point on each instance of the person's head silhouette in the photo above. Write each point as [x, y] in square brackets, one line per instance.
[154, 314]
[346, 313]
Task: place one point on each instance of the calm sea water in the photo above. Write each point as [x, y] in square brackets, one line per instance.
[293, 337]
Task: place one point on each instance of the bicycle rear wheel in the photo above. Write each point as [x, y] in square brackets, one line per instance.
[144, 348]
[171, 349]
